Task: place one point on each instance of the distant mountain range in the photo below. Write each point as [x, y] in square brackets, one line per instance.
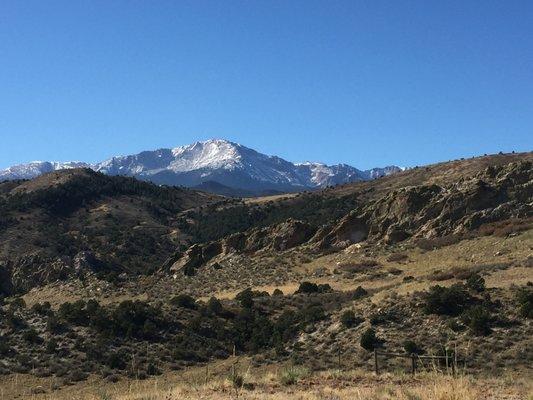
[218, 166]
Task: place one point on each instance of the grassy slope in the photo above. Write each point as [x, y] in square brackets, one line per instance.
[503, 261]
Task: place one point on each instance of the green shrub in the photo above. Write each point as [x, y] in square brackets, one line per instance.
[310, 287]
[134, 319]
[237, 380]
[214, 306]
[476, 282]
[349, 319]
[42, 308]
[51, 346]
[52, 324]
[286, 327]
[311, 314]
[31, 336]
[117, 360]
[369, 341]
[5, 349]
[252, 331]
[184, 301]
[151, 369]
[307, 288]
[245, 298]
[411, 347]
[524, 299]
[478, 320]
[17, 303]
[291, 375]
[441, 300]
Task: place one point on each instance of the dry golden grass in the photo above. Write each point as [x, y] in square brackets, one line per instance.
[332, 385]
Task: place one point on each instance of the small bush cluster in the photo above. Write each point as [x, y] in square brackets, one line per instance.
[310, 288]
[246, 297]
[456, 300]
[447, 301]
[129, 319]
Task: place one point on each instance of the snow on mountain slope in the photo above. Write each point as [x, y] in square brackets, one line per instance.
[216, 160]
[36, 168]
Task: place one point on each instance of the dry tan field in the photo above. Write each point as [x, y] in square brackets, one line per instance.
[272, 385]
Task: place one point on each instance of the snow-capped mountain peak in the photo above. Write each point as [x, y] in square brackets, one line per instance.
[215, 153]
[215, 160]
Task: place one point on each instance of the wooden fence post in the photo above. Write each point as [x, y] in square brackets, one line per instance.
[376, 361]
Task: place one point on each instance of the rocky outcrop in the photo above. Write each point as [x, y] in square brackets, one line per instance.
[498, 193]
[26, 272]
[281, 237]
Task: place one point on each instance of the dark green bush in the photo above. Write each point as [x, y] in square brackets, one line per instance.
[311, 313]
[307, 288]
[117, 360]
[478, 320]
[310, 287]
[214, 306]
[5, 349]
[476, 282]
[17, 303]
[135, 319]
[245, 298]
[51, 346]
[441, 300]
[184, 301]
[42, 308]
[369, 341]
[524, 299]
[349, 319]
[252, 331]
[411, 347]
[31, 336]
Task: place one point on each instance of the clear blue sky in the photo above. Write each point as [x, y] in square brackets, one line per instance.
[363, 82]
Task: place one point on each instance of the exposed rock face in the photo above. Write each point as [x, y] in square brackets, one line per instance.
[350, 229]
[497, 193]
[279, 237]
[32, 270]
[189, 261]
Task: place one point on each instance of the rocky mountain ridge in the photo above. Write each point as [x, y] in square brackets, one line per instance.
[220, 161]
[427, 211]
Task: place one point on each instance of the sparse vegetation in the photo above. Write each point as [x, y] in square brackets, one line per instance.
[525, 302]
[141, 316]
